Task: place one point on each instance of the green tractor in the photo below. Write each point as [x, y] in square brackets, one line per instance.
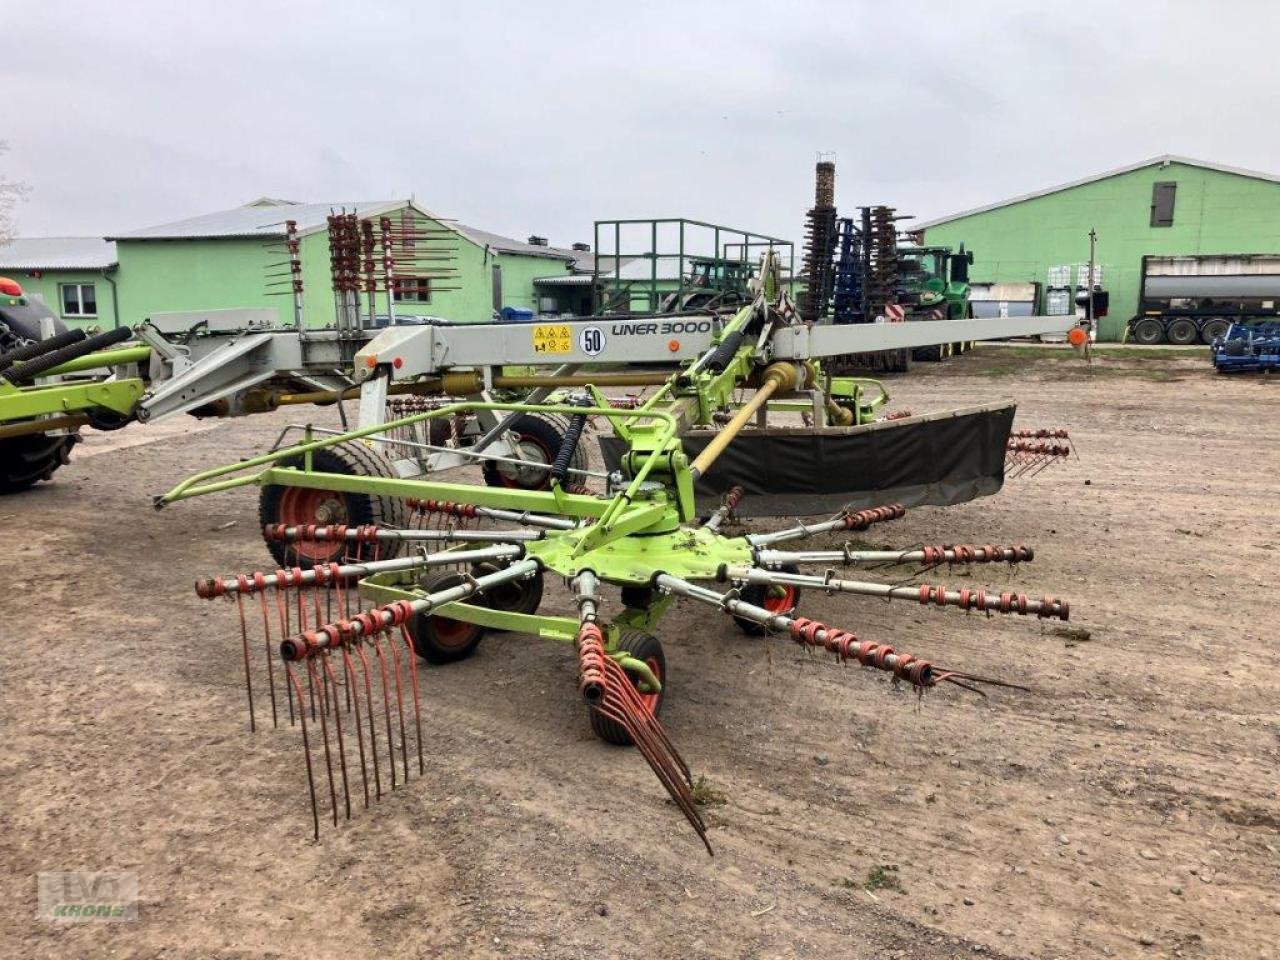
[935, 284]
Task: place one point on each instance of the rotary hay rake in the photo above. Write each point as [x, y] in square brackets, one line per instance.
[342, 629]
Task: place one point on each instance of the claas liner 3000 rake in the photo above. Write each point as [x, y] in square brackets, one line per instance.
[339, 630]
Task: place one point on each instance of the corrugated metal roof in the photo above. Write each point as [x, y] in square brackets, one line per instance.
[495, 241]
[1142, 164]
[265, 217]
[645, 267]
[261, 218]
[57, 253]
[565, 280]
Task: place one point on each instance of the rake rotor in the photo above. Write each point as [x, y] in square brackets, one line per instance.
[452, 560]
[350, 670]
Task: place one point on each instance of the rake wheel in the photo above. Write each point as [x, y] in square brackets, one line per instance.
[782, 600]
[540, 437]
[25, 461]
[520, 596]
[440, 639]
[648, 648]
[299, 506]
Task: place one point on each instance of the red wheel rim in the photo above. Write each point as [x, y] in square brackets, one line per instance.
[780, 599]
[650, 700]
[451, 633]
[300, 506]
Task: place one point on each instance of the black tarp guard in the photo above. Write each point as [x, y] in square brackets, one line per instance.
[936, 459]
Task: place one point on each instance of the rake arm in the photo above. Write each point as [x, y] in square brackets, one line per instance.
[845, 644]
[989, 601]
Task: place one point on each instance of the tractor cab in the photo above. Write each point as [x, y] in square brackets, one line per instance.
[21, 316]
[936, 279]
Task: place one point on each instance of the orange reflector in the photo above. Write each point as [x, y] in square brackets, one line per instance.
[1076, 337]
[370, 362]
[673, 345]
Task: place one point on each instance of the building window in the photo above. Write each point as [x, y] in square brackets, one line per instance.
[413, 290]
[1162, 195]
[79, 300]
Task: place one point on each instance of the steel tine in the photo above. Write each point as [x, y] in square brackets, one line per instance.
[619, 710]
[292, 680]
[373, 727]
[324, 732]
[350, 669]
[244, 643]
[412, 656]
[337, 723]
[271, 670]
[282, 609]
[386, 706]
[628, 692]
[404, 740]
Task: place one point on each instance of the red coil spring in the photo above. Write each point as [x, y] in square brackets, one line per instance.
[1042, 433]
[334, 635]
[968, 553]
[1045, 448]
[865, 518]
[733, 498]
[846, 645]
[591, 657]
[1005, 603]
[442, 506]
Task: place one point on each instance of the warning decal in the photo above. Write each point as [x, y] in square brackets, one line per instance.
[552, 338]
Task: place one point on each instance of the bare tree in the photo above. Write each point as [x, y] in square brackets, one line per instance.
[12, 192]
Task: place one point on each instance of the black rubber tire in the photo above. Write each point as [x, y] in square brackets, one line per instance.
[438, 639]
[545, 432]
[929, 354]
[520, 596]
[642, 646]
[278, 504]
[757, 595]
[1148, 331]
[1182, 331]
[25, 461]
[637, 598]
[1214, 328]
[899, 361]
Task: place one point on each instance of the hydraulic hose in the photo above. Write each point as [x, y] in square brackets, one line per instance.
[29, 350]
[26, 372]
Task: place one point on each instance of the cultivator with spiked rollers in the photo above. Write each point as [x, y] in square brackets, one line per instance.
[338, 634]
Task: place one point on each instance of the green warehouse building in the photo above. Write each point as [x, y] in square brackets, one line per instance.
[75, 277]
[235, 259]
[1168, 207]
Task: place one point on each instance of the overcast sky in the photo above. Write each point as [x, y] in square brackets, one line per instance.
[533, 117]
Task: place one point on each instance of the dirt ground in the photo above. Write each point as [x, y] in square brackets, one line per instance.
[1125, 808]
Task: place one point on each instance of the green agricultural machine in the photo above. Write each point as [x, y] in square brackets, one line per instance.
[381, 563]
[935, 286]
[856, 270]
[379, 573]
[52, 382]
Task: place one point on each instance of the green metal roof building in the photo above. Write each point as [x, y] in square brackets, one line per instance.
[75, 277]
[234, 259]
[1167, 205]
